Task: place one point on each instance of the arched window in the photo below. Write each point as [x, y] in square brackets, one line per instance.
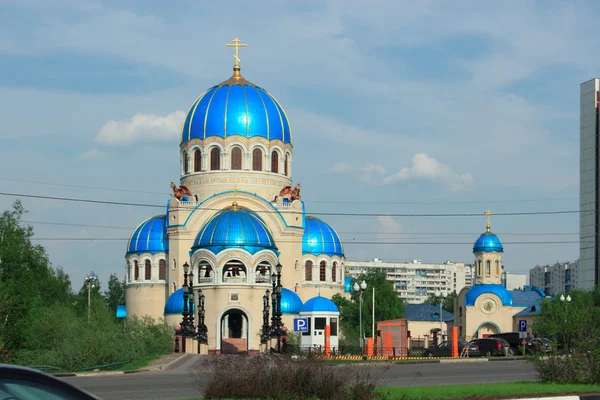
[460, 311]
[308, 271]
[215, 159]
[488, 267]
[147, 270]
[275, 162]
[234, 271]
[334, 272]
[136, 270]
[197, 161]
[263, 272]
[497, 267]
[236, 158]
[286, 167]
[257, 157]
[174, 264]
[205, 272]
[323, 271]
[479, 270]
[162, 270]
[186, 163]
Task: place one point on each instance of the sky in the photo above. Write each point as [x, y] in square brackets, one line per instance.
[397, 107]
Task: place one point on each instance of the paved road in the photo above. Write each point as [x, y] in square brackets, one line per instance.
[171, 385]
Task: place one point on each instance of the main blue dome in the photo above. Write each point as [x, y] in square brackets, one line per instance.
[235, 227]
[236, 107]
[149, 237]
[290, 302]
[499, 290]
[320, 238]
[348, 284]
[175, 303]
[319, 304]
[488, 242]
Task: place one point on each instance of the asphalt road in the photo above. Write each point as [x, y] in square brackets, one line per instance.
[170, 385]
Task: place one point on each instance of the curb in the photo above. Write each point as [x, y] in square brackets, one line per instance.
[572, 397]
[94, 374]
[166, 366]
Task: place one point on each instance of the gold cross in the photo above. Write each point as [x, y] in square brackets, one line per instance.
[237, 45]
[235, 204]
[488, 213]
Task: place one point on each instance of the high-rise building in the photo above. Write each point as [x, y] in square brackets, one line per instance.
[513, 281]
[556, 279]
[589, 195]
[415, 281]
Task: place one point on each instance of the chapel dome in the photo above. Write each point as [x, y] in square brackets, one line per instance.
[290, 302]
[320, 238]
[174, 304]
[488, 242]
[319, 304]
[235, 227]
[493, 288]
[149, 237]
[236, 107]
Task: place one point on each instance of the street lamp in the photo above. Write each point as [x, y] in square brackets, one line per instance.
[90, 281]
[442, 296]
[202, 331]
[187, 327]
[265, 328]
[568, 300]
[276, 324]
[360, 288]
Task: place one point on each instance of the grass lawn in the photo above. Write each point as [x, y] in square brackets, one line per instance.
[142, 362]
[484, 390]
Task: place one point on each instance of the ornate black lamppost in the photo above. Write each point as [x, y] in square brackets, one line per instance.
[187, 324]
[202, 331]
[276, 297]
[264, 338]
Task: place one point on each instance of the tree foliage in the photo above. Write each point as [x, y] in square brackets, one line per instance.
[387, 306]
[447, 303]
[115, 295]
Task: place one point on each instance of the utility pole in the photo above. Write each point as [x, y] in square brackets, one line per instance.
[90, 281]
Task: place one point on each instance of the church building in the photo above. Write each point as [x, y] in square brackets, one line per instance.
[235, 215]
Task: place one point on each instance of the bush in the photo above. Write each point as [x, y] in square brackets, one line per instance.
[570, 368]
[279, 377]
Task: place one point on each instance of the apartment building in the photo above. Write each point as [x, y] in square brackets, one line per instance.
[514, 281]
[556, 279]
[414, 281]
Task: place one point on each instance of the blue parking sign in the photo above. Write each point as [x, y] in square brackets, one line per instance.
[522, 325]
[300, 324]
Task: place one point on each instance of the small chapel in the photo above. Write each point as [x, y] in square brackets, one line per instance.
[488, 307]
[234, 217]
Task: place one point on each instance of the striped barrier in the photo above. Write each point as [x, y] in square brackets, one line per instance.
[376, 358]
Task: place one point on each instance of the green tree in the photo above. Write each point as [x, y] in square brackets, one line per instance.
[115, 295]
[387, 306]
[447, 303]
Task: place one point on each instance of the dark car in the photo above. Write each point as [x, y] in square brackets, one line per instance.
[492, 346]
[545, 345]
[444, 349]
[26, 383]
[516, 342]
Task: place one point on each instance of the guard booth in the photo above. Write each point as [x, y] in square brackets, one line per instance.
[392, 338]
[319, 312]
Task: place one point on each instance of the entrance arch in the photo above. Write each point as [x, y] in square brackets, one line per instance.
[486, 329]
[234, 326]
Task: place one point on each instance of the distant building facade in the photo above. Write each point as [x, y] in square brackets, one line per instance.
[558, 278]
[414, 281]
[512, 281]
[589, 187]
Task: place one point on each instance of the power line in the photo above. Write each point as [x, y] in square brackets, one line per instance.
[315, 213]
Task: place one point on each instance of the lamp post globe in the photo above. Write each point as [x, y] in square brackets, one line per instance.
[562, 297]
[363, 285]
[568, 299]
[356, 288]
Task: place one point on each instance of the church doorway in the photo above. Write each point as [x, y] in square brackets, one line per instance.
[487, 330]
[234, 332]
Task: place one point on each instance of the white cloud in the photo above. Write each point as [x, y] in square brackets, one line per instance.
[428, 168]
[140, 128]
[90, 154]
[388, 227]
[363, 174]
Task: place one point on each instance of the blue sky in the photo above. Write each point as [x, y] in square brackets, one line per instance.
[396, 107]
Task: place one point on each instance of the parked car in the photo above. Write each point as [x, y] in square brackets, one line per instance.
[492, 346]
[27, 383]
[516, 343]
[444, 349]
[545, 344]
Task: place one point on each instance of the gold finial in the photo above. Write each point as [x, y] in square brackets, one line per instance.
[489, 224]
[235, 204]
[236, 43]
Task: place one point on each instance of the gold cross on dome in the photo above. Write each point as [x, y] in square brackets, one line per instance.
[236, 43]
[488, 213]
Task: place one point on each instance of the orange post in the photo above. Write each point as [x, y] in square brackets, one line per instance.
[327, 340]
[454, 342]
[370, 345]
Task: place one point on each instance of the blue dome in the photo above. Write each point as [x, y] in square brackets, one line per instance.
[236, 107]
[290, 302]
[149, 237]
[482, 288]
[348, 284]
[235, 227]
[320, 238]
[488, 242]
[175, 303]
[319, 304]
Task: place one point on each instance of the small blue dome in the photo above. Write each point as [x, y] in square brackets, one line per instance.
[320, 238]
[235, 227]
[149, 237]
[488, 242]
[175, 303]
[236, 107]
[348, 284]
[290, 302]
[477, 290]
[319, 304]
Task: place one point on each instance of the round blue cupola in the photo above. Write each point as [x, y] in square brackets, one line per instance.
[236, 107]
[488, 242]
[493, 288]
[149, 237]
[235, 227]
[320, 238]
[319, 304]
[290, 302]
[174, 304]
